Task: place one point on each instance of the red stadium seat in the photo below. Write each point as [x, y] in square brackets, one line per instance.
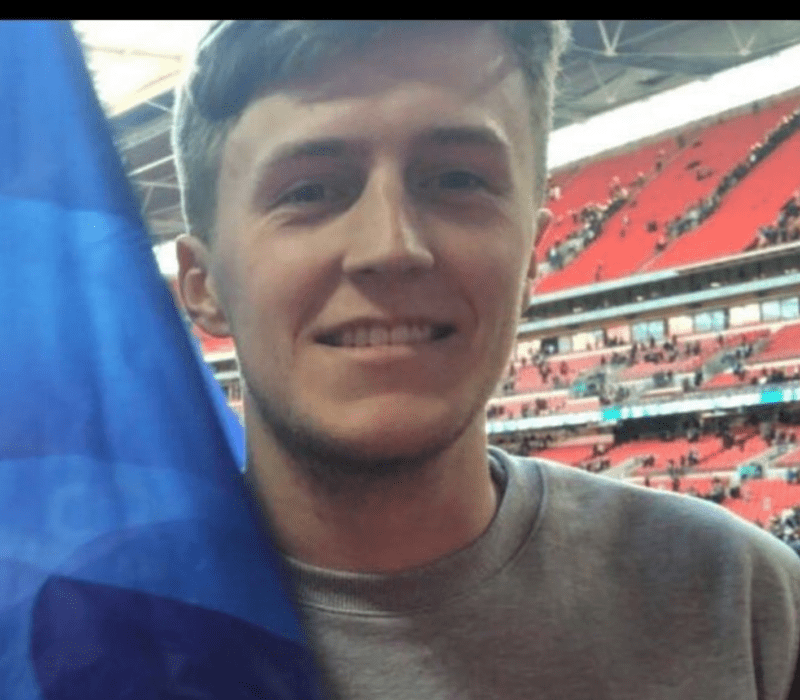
[751, 203]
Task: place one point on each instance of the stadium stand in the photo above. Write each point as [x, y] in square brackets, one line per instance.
[212, 345]
[789, 459]
[686, 176]
[782, 345]
[764, 499]
[591, 183]
[567, 454]
[558, 381]
[744, 457]
[751, 204]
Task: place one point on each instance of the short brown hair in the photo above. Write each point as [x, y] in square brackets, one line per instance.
[238, 60]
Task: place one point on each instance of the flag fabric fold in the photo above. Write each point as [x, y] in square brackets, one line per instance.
[133, 563]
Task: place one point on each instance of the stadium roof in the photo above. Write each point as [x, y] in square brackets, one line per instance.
[614, 62]
[610, 64]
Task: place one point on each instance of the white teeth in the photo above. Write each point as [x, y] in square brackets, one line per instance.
[400, 335]
[420, 334]
[361, 337]
[378, 335]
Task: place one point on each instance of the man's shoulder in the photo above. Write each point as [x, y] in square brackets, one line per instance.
[608, 512]
[665, 568]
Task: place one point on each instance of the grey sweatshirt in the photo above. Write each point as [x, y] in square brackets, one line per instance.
[582, 588]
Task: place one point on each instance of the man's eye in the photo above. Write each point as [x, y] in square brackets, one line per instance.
[457, 180]
[308, 194]
[321, 195]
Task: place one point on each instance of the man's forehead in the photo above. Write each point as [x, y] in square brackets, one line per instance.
[466, 77]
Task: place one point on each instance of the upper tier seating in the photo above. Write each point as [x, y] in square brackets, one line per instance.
[752, 203]
[749, 204]
[590, 183]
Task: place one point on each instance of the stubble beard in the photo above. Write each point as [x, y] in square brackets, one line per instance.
[337, 466]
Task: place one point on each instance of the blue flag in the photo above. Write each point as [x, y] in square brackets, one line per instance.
[133, 564]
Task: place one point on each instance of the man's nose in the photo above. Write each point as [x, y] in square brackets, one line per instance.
[388, 231]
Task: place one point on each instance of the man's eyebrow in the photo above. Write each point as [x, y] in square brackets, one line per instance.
[338, 147]
[463, 136]
[321, 148]
[296, 151]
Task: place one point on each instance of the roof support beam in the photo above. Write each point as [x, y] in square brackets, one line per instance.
[748, 47]
[609, 48]
[172, 208]
[615, 40]
[135, 51]
[740, 47]
[147, 196]
[151, 183]
[611, 98]
[152, 103]
[150, 166]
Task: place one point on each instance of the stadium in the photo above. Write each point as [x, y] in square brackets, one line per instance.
[661, 344]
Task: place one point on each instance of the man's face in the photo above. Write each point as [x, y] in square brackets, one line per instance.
[374, 233]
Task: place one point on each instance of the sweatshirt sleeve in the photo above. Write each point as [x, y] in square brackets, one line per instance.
[776, 618]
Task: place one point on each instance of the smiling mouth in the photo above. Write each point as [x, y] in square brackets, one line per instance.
[377, 335]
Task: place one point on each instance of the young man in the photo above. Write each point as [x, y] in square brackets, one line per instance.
[364, 199]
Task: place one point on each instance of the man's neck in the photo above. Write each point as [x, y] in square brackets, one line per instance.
[381, 526]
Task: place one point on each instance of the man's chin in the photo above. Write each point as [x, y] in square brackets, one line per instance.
[361, 448]
[332, 456]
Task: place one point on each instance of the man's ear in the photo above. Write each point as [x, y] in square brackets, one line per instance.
[543, 218]
[197, 289]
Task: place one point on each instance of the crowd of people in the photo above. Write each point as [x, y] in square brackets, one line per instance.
[785, 228]
[786, 527]
[676, 469]
[652, 351]
[702, 209]
[557, 374]
[670, 351]
[590, 218]
[593, 216]
[558, 377]
[771, 375]
[716, 494]
[775, 436]
[598, 462]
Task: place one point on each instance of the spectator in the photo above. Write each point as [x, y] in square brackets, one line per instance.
[717, 494]
[401, 497]
[734, 486]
